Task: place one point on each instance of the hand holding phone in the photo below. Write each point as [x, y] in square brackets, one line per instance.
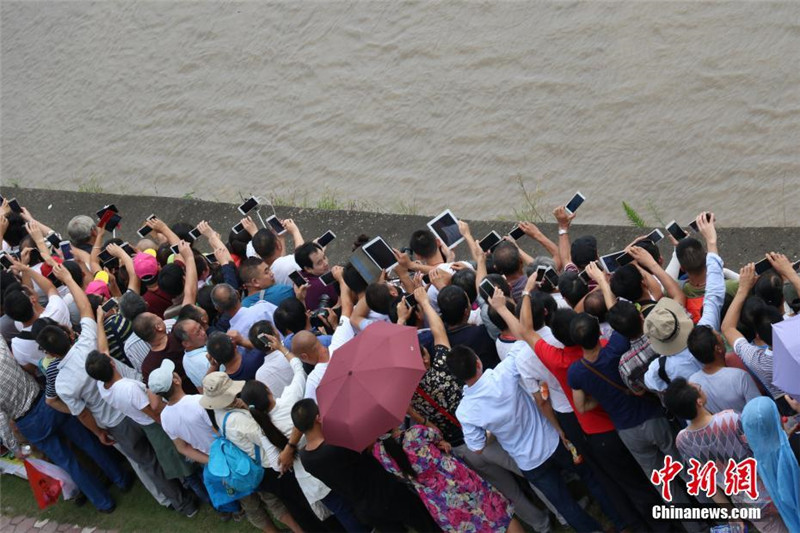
[326, 238]
[574, 203]
[674, 229]
[297, 278]
[516, 233]
[248, 205]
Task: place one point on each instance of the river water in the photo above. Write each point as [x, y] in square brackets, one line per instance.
[412, 106]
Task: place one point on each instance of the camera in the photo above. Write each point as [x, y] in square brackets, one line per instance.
[321, 312]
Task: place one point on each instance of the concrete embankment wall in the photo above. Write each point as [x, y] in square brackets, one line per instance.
[55, 208]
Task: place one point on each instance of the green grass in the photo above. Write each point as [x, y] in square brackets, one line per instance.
[91, 185]
[136, 511]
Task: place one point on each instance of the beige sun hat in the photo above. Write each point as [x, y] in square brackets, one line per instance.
[219, 390]
[668, 327]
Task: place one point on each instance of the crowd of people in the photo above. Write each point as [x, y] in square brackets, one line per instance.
[540, 401]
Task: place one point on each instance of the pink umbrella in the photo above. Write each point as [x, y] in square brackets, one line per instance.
[368, 385]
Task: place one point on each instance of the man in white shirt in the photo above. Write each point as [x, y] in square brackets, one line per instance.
[272, 248]
[309, 350]
[193, 338]
[494, 402]
[276, 372]
[226, 300]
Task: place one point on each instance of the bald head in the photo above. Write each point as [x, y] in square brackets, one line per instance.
[307, 347]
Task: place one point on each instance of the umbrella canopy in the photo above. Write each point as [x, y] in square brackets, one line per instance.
[368, 385]
[786, 356]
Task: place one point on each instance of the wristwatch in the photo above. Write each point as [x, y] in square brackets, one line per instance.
[562, 231]
[525, 293]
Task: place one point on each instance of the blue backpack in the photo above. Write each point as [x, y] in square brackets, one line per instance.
[230, 473]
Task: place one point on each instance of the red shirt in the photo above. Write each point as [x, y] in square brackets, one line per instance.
[557, 361]
[158, 301]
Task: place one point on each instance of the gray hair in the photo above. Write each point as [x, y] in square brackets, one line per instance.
[224, 297]
[80, 229]
[541, 260]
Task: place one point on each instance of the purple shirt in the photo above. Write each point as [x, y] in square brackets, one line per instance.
[315, 291]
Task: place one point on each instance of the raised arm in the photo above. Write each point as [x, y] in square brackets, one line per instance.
[359, 314]
[747, 278]
[601, 279]
[80, 298]
[346, 296]
[294, 231]
[715, 282]
[536, 234]
[646, 261]
[190, 278]
[127, 262]
[29, 274]
[94, 257]
[102, 340]
[564, 221]
[498, 302]
[434, 320]
[36, 233]
[160, 227]
[783, 267]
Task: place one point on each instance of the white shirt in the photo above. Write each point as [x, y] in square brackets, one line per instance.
[281, 267]
[276, 373]
[188, 421]
[245, 317]
[26, 351]
[344, 332]
[433, 292]
[533, 372]
[195, 365]
[74, 386]
[497, 403]
[129, 397]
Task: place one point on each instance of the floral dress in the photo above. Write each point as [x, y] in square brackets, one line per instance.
[457, 498]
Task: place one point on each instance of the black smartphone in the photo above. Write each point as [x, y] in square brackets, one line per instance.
[297, 279]
[54, 280]
[693, 223]
[113, 222]
[575, 202]
[624, 258]
[54, 239]
[276, 225]
[194, 234]
[144, 230]
[327, 278]
[109, 207]
[66, 250]
[380, 253]
[108, 260]
[540, 272]
[550, 281]
[655, 236]
[410, 300]
[128, 249]
[326, 238]
[238, 228]
[211, 258]
[796, 266]
[676, 231]
[14, 205]
[426, 279]
[175, 249]
[489, 242]
[248, 205]
[516, 233]
[110, 304]
[609, 262]
[585, 277]
[487, 289]
[5, 261]
[762, 266]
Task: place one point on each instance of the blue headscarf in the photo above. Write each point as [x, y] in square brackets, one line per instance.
[777, 466]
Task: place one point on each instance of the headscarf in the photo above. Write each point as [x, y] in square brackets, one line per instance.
[777, 466]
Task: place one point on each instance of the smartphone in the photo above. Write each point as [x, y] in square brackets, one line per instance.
[489, 242]
[327, 278]
[238, 228]
[112, 224]
[106, 259]
[211, 258]
[550, 278]
[676, 231]
[585, 277]
[54, 280]
[380, 253]
[693, 224]
[248, 205]
[194, 234]
[107, 208]
[276, 225]
[297, 279]
[655, 236]
[174, 249]
[609, 262]
[796, 266]
[762, 266]
[5, 261]
[410, 300]
[54, 239]
[14, 205]
[487, 289]
[575, 202]
[624, 258]
[516, 233]
[144, 230]
[326, 238]
[128, 249]
[66, 250]
[110, 304]
[426, 279]
[540, 272]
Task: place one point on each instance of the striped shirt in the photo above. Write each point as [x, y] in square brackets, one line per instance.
[759, 361]
[634, 364]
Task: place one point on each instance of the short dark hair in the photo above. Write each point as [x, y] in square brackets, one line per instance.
[543, 305]
[182, 229]
[131, 305]
[262, 326]
[304, 414]
[290, 316]
[583, 251]
[764, 321]
[353, 279]
[681, 398]
[650, 247]
[465, 278]
[626, 320]
[54, 340]
[17, 304]
[170, 279]
[453, 304]
[507, 259]
[691, 255]
[204, 300]
[302, 254]
[423, 243]
[701, 343]
[265, 242]
[179, 330]
[99, 367]
[499, 281]
[626, 282]
[560, 325]
[462, 362]
[237, 242]
[595, 304]
[16, 229]
[751, 309]
[248, 269]
[75, 271]
[162, 256]
[379, 299]
[144, 326]
[220, 347]
[585, 330]
[572, 287]
[190, 311]
[498, 320]
[769, 286]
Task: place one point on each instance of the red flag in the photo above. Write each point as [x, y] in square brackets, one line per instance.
[46, 489]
